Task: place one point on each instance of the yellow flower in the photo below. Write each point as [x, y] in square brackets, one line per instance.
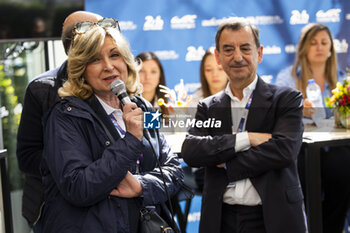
[339, 94]
[179, 103]
[161, 102]
[339, 86]
[332, 99]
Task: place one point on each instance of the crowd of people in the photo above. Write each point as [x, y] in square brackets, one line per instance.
[89, 167]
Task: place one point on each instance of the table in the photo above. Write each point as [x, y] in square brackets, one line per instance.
[313, 140]
[175, 141]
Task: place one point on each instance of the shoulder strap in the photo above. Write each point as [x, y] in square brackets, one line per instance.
[145, 106]
[109, 135]
[142, 103]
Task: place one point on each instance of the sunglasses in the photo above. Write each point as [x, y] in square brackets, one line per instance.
[82, 27]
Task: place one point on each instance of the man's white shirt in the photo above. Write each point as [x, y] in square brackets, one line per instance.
[243, 191]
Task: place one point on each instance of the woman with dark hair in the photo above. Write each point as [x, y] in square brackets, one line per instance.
[213, 78]
[316, 59]
[151, 75]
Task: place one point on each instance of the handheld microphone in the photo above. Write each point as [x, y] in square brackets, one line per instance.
[118, 88]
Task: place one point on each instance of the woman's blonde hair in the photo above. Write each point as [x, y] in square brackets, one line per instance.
[306, 36]
[85, 48]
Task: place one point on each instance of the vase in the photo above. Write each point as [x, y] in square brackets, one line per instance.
[337, 116]
[345, 120]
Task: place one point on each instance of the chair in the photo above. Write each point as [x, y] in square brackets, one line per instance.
[190, 183]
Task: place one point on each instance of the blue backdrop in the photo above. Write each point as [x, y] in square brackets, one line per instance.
[179, 31]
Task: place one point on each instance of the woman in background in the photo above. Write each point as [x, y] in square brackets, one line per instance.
[213, 78]
[151, 75]
[316, 59]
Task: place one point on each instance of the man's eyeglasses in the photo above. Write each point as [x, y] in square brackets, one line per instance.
[82, 27]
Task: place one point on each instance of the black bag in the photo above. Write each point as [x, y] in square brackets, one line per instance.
[151, 222]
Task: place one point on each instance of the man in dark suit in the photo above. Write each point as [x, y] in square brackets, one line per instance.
[251, 180]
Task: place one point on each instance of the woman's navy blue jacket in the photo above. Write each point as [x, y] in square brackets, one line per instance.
[85, 159]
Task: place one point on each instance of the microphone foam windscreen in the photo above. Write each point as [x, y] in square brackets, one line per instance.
[118, 87]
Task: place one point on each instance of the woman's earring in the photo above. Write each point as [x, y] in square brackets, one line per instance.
[329, 54]
[82, 80]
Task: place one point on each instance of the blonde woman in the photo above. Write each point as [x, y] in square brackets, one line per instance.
[98, 170]
[315, 59]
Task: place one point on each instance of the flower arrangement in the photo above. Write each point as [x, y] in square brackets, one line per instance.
[340, 99]
[339, 102]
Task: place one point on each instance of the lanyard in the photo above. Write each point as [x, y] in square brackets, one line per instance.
[115, 123]
[135, 169]
[245, 114]
[240, 127]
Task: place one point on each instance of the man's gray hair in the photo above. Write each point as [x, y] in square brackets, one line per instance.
[236, 24]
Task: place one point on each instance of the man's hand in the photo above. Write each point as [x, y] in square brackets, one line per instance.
[221, 165]
[308, 109]
[256, 139]
[132, 116]
[129, 187]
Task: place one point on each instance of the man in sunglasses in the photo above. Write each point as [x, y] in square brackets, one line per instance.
[40, 95]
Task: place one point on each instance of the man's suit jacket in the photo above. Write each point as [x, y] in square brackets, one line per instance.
[271, 166]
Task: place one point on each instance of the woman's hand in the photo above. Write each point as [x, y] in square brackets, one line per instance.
[308, 109]
[129, 187]
[132, 116]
